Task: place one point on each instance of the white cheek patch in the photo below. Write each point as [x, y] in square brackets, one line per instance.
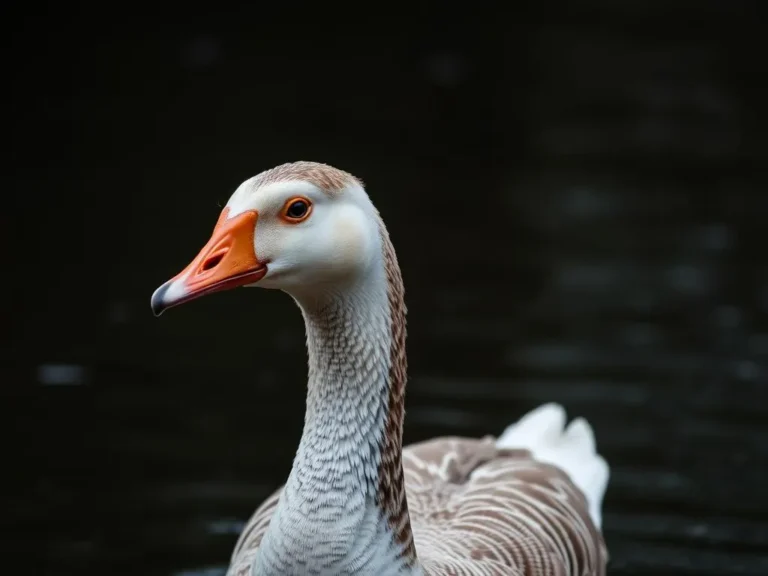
[351, 243]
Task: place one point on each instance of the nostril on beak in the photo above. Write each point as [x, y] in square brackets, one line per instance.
[211, 262]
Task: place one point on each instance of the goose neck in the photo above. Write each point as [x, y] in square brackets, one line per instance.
[344, 504]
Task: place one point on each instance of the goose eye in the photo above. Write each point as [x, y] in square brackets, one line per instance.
[297, 210]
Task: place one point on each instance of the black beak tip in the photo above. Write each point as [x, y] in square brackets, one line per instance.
[158, 300]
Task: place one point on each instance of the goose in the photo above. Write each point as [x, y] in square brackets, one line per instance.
[527, 502]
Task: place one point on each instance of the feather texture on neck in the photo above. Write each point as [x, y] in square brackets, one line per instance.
[343, 509]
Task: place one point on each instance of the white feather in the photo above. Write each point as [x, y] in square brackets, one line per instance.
[572, 449]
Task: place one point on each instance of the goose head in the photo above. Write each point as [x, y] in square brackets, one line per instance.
[301, 227]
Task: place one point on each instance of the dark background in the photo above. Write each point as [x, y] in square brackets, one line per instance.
[577, 194]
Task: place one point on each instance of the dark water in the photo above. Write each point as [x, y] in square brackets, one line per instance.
[577, 196]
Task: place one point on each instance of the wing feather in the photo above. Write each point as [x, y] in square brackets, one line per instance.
[480, 510]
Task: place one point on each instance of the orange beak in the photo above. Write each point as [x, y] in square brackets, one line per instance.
[227, 261]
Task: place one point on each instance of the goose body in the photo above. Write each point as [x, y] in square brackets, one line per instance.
[357, 503]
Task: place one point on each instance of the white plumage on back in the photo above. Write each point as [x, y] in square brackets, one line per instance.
[571, 449]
